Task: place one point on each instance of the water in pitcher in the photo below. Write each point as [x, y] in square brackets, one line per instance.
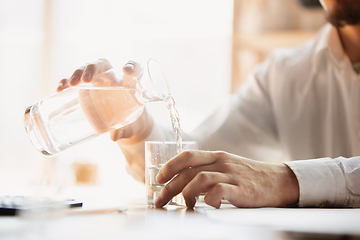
[82, 113]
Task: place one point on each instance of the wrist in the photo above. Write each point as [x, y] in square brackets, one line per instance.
[289, 187]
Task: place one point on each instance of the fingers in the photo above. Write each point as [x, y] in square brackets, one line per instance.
[191, 183]
[223, 191]
[202, 183]
[132, 68]
[75, 78]
[236, 195]
[86, 73]
[183, 161]
[62, 85]
[175, 186]
[89, 71]
[95, 68]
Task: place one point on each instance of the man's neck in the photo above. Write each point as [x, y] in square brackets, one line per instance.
[350, 39]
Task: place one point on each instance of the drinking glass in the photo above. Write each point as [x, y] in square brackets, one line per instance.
[157, 153]
[87, 110]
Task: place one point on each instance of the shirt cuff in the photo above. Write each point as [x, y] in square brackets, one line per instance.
[321, 182]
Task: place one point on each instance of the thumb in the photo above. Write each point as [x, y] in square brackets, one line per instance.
[133, 69]
[132, 74]
[124, 132]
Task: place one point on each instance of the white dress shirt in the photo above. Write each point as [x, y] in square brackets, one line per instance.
[303, 104]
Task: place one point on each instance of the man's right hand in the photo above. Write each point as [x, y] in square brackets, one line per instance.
[89, 72]
[133, 132]
[243, 182]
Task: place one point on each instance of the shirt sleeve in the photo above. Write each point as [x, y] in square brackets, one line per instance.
[328, 182]
[244, 124]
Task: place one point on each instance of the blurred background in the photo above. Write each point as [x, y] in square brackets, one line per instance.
[206, 48]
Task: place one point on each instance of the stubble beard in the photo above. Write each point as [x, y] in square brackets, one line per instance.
[346, 12]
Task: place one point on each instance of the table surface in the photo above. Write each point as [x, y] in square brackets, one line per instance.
[137, 221]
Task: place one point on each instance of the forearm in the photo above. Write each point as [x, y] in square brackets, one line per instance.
[134, 155]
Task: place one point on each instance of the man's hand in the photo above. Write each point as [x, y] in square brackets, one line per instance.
[100, 75]
[223, 176]
[91, 72]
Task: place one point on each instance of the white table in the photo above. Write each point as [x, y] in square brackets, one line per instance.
[140, 222]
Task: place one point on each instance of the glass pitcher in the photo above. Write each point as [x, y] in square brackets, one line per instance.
[87, 110]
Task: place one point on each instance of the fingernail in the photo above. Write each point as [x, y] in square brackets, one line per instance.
[129, 68]
[71, 81]
[87, 76]
[160, 177]
[129, 65]
[158, 201]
